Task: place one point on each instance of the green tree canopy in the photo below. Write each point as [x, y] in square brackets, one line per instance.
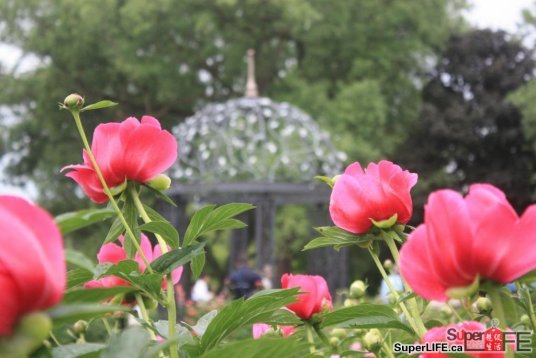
[355, 65]
[468, 131]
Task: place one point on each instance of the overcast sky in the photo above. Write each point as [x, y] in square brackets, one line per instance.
[495, 14]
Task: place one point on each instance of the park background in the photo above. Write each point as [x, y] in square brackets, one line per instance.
[426, 84]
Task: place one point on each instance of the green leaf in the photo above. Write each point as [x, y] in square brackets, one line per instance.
[175, 258]
[365, 315]
[182, 334]
[77, 277]
[67, 313]
[132, 343]
[153, 214]
[283, 318]
[78, 259]
[76, 220]
[197, 264]
[116, 229]
[212, 218]
[122, 267]
[76, 350]
[203, 322]
[266, 347]
[165, 230]
[336, 237]
[99, 105]
[161, 195]
[131, 216]
[239, 313]
[528, 277]
[94, 294]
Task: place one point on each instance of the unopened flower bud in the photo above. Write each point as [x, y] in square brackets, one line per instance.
[334, 341]
[79, 327]
[372, 340]
[350, 302]
[483, 304]
[74, 102]
[339, 333]
[388, 265]
[161, 182]
[525, 319]
[36, 325]
[357, 289]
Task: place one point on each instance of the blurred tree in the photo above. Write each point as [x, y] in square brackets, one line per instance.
[356, 65]
[468, 131]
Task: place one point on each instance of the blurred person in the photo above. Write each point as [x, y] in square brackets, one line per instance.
[267, 276]
[243, 281]
[201, 292]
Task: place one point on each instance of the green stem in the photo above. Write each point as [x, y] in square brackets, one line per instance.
[107, 326]
[144, 314]
[387, 350]
[321, 335]
[528, 297]
[310, 338]
[498, 311]
[170, 304]
[412, 302]
[467, 306]
[393, 291]
[145, 217]
[455, 312]
[106, 189]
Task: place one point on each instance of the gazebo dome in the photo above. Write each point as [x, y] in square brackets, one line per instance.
[253, 139]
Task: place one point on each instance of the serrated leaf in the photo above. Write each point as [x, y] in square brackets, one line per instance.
[67, 313]
[76, 220]
[264, 348]
[165, 230]
[211, 218]
[239, 313]
[76, 350]
[132, 343]
[94, 294]
[78, 259]
[175, 258]
[77, 277]
[197, 264]
[365, 315]
[99, 105]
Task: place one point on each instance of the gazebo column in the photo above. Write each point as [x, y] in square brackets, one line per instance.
[239, 240]
[331, 264]
[264, 231]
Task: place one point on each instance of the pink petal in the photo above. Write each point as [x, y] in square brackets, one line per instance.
[109, 150]
[521, 258]
[450, 236]
[493, 219]
[259, 329]
[148, 152]
[415, 265]
[150, 121]
[348, 205]
[9, 303]
[88, 180]
[111, 253]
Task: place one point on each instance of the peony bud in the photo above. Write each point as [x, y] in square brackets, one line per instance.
[372, 340]
[349, 302]
[334, 342]
[74, 102]
[483, 304]
[357, 289]
[388, 265]
[79, 327]
[161, 182]
[525, 319]
[339, 333]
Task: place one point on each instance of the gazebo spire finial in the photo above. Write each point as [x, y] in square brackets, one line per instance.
[251, 85]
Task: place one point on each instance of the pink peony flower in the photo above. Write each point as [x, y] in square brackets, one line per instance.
[260, 329]
[439, 334]
[129, 150]
[315, 296]
[113, 253]
[464, 238]
[377, 193]
[32, 264]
